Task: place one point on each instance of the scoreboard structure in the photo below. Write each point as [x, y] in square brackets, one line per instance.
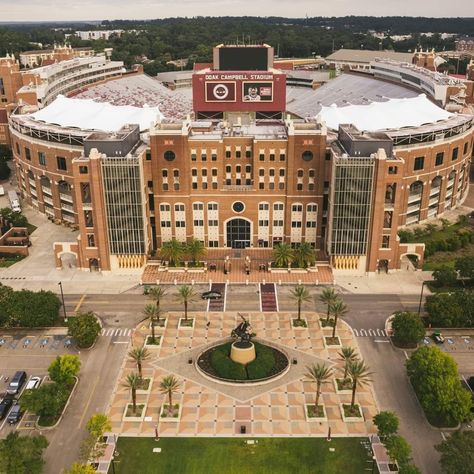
[241, 80]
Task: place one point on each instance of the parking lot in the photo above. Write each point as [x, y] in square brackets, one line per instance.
[32, 353]
[460, 347]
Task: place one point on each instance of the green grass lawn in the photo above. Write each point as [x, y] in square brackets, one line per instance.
[234, 456]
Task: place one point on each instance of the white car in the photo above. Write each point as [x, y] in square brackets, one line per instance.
[33, 383]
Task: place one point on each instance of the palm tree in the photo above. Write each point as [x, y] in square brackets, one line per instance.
[196, 249]
[304, 254]
[300, 294]
[360, 375]
[338, 309]
[133, 382]
[283, 255]
[328, 296]
[157, 293]
[151, 312]
[348, 355]
[173, 251]
[319, 374]
[139, 354]
[186, 294]
[168, 386]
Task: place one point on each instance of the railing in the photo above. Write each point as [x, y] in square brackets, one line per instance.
[238, 187]
[67, 207]
[32, 182]
[46, 190]
[48, 200]
[414, 197]
[434, 200]
[66, 197]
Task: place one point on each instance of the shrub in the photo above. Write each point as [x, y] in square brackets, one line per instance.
[435, 379]
[451, 310]
[84, 328]
[263, 364]
[387, 423]
[407, 328]
[64, 368]
[465, 266]
[4, 170]
[445, 276]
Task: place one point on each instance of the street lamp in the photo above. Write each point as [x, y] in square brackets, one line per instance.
[421, 297]
[62, 297]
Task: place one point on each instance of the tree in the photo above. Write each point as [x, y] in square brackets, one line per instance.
[139, 354]
[457, 453]
[64, 369]
[133, 382]
[47, 401]
[168, 386]
[283, 255]
[408, 328]
[5, 153]
[300, 294]
[304, 255]
[151, 312]
[196, 249]
[98, 424]
[454, 309]
[398, 449]
[157, 293]
[465, 267]
[319, 374]
[435, 379]
[22, 454]
[338, 309]
[173, 251]
[78, 468]
[328, 297]
[387, 423]
[84, 328]
[186, 295]
[360, 376]
[348, 355]
[445, 276]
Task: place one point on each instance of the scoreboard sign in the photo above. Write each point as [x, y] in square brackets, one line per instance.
[239, 91]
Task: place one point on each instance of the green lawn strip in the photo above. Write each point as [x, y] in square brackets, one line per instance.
[230, 455]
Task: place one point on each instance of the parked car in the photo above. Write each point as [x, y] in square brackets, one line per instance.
[5, 405]
[211, 295]
[438, 338]
[15, 414]
[33, 383]
[16, 382]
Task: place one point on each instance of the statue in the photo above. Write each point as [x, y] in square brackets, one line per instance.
[243, 331]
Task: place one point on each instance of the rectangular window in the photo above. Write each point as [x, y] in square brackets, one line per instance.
[176, 186]
[455, 154]
[272, 157]
[419, 163]
[88, 219]
[180, 224]
[214, 185]
[311, 224]
[214, 157]
[439, 158]
[392, 170]
[386, 242]
[17, 146]
[261, 185]
[212, 206]
[299, 187]
[150, 184]
[296, 224]
[42, 158]
[278, 223]
[164, 207]
[179, 207]
[282, 157]
[27, 154]
[263, 223]
[203, 157]
[61, 163]
[194, 185]
[213, 223]
[227, 154]
[465, 148]
[198, 223]
[198, 206]
[165, 223]
[90, 240]
[164, 173]
[263, 207]
[148, 155]
[165, 187]
[261, 157]
[281, 186]
[248, 154]
[83, 170]
[278, 207]
[238, 154]
[193, 156]
[213, 243]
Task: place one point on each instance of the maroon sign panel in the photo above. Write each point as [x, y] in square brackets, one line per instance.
[239, 91]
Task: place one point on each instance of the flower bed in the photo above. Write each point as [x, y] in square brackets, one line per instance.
[315, 413]
[350, 413]
[149, 343]
[173, 415]
[130, 415]
[299, 323]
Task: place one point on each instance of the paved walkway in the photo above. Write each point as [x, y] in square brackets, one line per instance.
[211, 409]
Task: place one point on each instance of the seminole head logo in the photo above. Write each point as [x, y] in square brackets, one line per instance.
[220, 91]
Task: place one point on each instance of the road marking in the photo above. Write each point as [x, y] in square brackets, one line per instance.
[406, 355]
[443, 436]
[356, 332]
[380, 340]
[88, 401]
[363, 332]
[76, 309]
[120, 342]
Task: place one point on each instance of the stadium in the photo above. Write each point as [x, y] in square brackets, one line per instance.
[244, 155]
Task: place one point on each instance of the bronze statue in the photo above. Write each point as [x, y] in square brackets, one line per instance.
[243, 331]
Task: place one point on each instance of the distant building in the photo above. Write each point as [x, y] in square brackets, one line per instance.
[98, 34]
[360, 59]
[43, 57]
[465, 44]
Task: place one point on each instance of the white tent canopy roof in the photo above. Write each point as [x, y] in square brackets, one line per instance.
[87, 114]
[392, 114]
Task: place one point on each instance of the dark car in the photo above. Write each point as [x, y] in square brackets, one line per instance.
[438, 338]
[5, 405]
[16, 382]
[211, 295]
[15, 414]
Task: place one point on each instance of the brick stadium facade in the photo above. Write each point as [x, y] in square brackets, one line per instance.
[236, 178]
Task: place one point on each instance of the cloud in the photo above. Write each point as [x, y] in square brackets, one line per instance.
[63, 10]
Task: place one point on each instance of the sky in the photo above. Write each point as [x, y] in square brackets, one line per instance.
[59, 10]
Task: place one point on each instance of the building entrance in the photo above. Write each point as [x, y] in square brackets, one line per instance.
[238, 233]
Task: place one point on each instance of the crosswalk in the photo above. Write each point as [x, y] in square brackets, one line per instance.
[370, 332]
[116, 332]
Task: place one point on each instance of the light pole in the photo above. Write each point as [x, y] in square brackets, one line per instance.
[62, 297]
[421, 297]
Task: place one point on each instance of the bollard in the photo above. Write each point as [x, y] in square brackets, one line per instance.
[299, 282]
[263, 281]
[227, 281]
[175, 282]
[247, 282]
[279, 282]
[192, 282]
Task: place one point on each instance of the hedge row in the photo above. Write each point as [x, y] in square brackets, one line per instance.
[262, 366]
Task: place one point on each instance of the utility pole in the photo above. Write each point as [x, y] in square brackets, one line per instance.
[62, 298]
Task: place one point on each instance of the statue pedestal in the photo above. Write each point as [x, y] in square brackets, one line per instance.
[242, 352]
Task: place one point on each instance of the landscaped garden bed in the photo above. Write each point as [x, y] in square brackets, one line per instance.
[326, 323]
[315, 413]
[138, 414]
[351, 413]
[144, 385]
[151, 342]
[330, 341]
[186, 323]
[343, 385]
[269, 362]
[299, 323]
[170, 415]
